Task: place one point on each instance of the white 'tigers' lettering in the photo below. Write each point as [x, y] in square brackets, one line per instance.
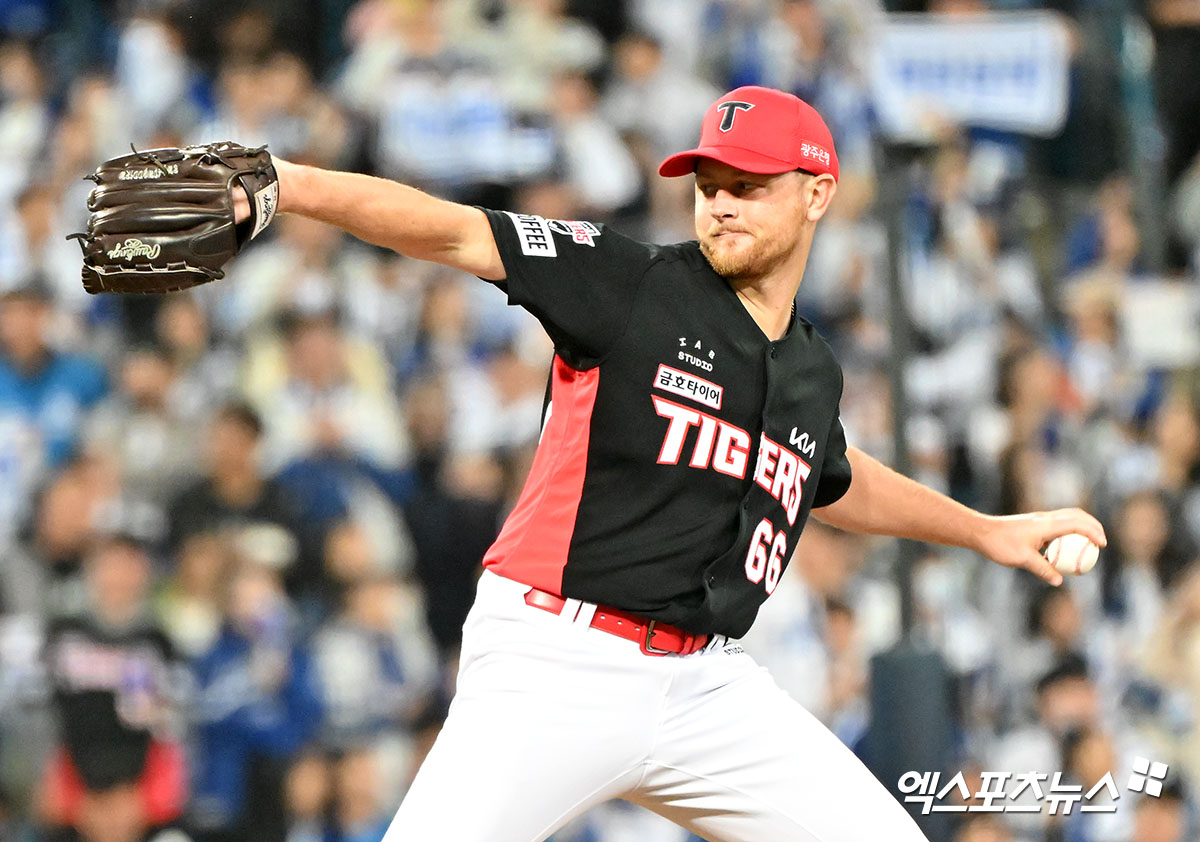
[722, 446]
[781, 474]
[725, 448]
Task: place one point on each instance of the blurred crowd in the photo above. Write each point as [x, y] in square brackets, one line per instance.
[240, 527]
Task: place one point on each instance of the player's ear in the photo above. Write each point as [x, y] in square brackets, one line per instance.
[818, 193]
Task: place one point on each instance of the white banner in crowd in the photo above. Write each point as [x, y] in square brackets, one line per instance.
[1003, 71]
[1159, 321]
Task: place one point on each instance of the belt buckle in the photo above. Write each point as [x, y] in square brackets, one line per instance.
[646, 646]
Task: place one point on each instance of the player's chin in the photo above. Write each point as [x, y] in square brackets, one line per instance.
[729, 259]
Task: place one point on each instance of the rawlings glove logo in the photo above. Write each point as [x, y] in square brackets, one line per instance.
[130, 249]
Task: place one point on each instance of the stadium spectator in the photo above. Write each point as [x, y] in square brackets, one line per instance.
[25, 116]
[1162, 819]
[527, 43]
[234, 493]
[1170, 663]
[983, 828]
[361, 811]
[153, 73]
[1176, 435]
[305, 266]
[1185, 217]
[1105, 241]
[945, 618]
[1151, 551]
[498, 406]
[304, 121]
[205, 368]
[257, 704]
[308, 792]
[67, 518]
[370, 686]
[1089, 755]
[651, 96]
[34, 248]
[1066, 699]
[444, 340]
[1054, 632]
[596, 163]
[1176, 28]
[330, 396]
[116, 682]
[1094, 359]
[191, 602]
[440, 115]
[46, 389]
[144, 429]
[452, 522]
[241, 111]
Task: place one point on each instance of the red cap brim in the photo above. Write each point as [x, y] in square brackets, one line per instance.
[684, 163]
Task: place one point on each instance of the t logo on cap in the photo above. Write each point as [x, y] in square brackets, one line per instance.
[729, 110]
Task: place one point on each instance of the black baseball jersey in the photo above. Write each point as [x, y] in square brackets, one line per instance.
[682, 450]
[109, 686]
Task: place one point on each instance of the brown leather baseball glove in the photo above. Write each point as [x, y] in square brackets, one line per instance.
[163, 220]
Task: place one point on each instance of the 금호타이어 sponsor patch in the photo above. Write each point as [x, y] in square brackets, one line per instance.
[688, 386]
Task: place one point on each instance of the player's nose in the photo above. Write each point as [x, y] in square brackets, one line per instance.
[723, 205]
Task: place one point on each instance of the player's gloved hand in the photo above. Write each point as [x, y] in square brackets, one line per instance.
[166, 219]
[1017, 540]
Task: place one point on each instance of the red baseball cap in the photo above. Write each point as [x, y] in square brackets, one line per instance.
[760, 130]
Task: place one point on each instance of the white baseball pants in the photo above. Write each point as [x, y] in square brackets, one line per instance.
[552, 717]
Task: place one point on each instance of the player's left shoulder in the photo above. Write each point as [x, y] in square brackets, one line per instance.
[812, 336]
[817, 348]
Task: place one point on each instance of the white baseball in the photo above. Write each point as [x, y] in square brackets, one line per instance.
[1072, 554]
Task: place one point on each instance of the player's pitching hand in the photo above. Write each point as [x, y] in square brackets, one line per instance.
[1017, 540]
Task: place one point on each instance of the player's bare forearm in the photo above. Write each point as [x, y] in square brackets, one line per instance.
[392, 215]
[881, 501]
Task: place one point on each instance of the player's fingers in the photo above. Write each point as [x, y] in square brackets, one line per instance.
[1037, 564]
[1065, 521]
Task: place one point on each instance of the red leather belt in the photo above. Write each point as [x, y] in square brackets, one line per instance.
[652, 637]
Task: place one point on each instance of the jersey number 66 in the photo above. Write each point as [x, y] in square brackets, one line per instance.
[768, 548]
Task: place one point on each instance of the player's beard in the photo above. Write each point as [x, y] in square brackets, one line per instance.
[753, 262]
